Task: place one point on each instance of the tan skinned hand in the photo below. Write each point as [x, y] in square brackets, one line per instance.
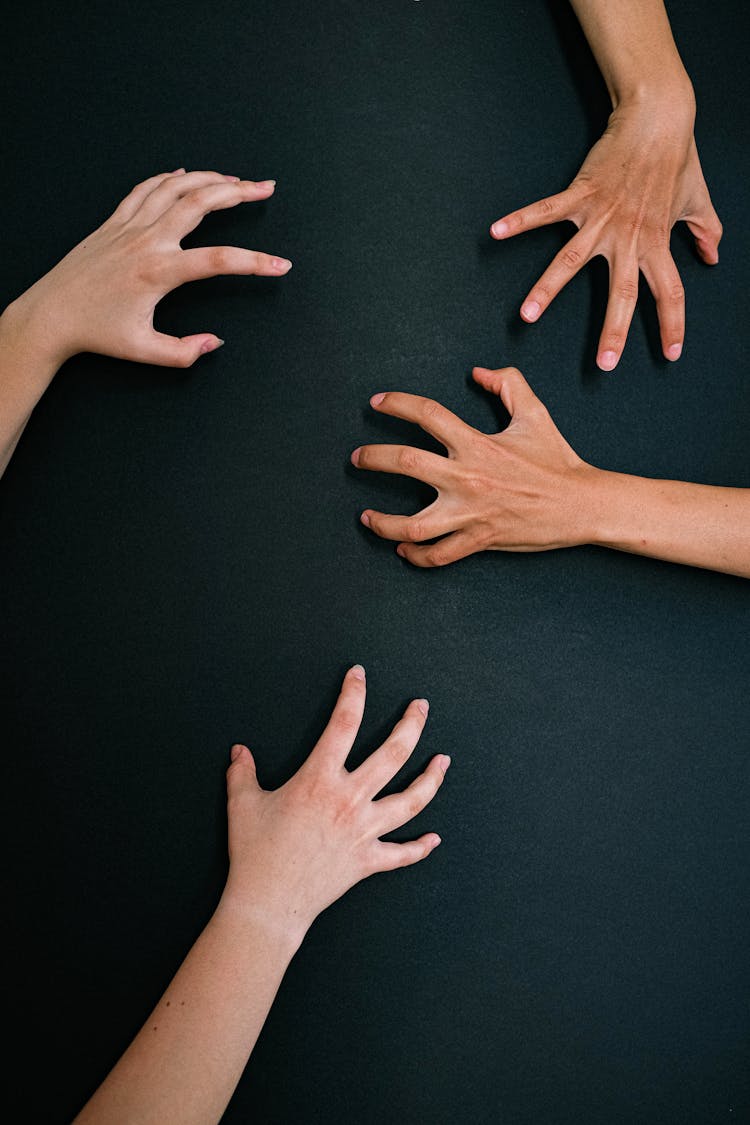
[518, 490]
[102, 295]
[297, 849]
[641, 178]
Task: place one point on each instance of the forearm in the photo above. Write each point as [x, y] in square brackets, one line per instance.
[694, 524]
[185, 1062]
[634, 48]
[27, 367]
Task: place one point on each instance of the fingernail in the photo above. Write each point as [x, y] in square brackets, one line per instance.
[400, 550]
[445, 761]
[674, 351]
[355, 456]
[499, 229]
[210, 346]
[234, 179]
[235, 752]
[377, 399]
[436, 840]
[530, 310]
[266, 183]
[423, 705]
[282, 264]
[357, 671]
[608, 360]
[365, 519]
[177, 172]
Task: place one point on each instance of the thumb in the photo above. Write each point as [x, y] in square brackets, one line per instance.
[507, 382]
[241, 773]
[175, 351]
[707, 231]
[704, 225]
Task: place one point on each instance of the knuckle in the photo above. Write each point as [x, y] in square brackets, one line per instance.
[627, 290]
[546, 207]
[416, 531]
[614, 339]
[218, 258]
[346, 722]
[429, 408]
[474, 483]
[398, 751]
[436, 556]
[571, 258]
[676, 293]
[408, 460]
[414, 806]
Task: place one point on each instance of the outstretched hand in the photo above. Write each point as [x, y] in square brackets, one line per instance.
[297, 849]
[102, 295]
[519, 490]
[641, 178]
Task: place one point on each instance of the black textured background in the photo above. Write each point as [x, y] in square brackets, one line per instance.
[181, 567]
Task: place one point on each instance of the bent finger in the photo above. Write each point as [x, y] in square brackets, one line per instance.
[135, 197]
[173, 188]
[214, 261]
[388, 857]
[433, 418]
[515, 393]
[449, 550]
[707, 230]
[383, 765]
[185, 215]
[404, 460]
[241, 775]
[427, 524]
[392, 812]
[175, 351]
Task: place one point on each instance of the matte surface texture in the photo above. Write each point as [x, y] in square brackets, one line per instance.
[182, 567]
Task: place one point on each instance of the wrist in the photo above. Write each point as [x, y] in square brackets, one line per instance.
[612, 504]
[257, 915]
[28, 335]
[667, 96]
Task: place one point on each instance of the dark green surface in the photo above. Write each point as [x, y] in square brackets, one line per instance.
[182, 567]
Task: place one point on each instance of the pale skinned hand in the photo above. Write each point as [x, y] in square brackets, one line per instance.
[518, 490]
[102, 295]
[641, 178]
[297, 849]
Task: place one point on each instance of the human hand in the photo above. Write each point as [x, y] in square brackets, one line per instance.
[297, 849]
[102, 295]
[523, 489]
[639, 179]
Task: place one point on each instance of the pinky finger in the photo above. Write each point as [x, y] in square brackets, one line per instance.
[391, 856]
[664, 282]
[449, 550]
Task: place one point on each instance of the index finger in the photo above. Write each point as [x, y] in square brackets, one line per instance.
[553, 209]
[433, 418]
